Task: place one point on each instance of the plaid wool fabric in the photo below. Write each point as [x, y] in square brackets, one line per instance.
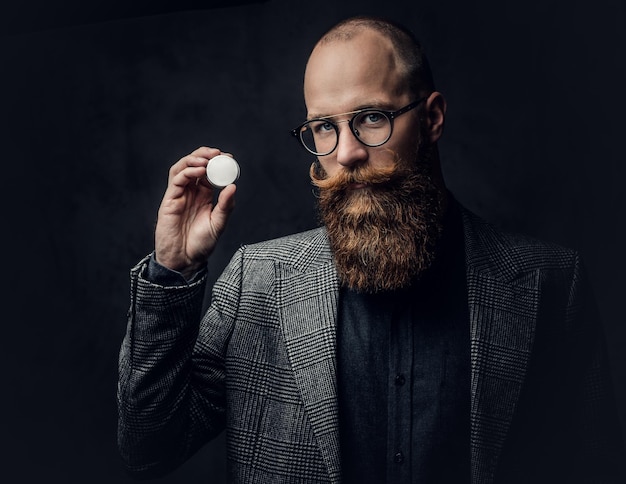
[261, 364]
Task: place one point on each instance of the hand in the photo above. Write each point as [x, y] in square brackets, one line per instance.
[188, 223]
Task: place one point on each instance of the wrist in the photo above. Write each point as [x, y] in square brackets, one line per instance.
[187, 270]
[161, 271]
[189, 273]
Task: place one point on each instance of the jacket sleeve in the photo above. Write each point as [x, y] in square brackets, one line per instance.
[567, 427]
[596, 421]
[171, 389]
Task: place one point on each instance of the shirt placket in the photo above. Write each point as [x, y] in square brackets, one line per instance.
[399, 410]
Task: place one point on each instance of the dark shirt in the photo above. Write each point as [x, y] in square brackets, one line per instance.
[403, 376]
[158, 274]
[403, 373]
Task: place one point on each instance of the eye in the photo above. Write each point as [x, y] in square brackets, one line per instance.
[371, 119]
[322, 127]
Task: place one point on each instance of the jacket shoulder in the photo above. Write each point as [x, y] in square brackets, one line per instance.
[503, 252]
[302, 250]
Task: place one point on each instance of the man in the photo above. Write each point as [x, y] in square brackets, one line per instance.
[404, 341]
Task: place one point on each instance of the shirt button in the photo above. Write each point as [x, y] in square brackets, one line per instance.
[398, 458]
[400, 380]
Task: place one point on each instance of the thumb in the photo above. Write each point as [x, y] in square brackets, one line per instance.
[224, 207]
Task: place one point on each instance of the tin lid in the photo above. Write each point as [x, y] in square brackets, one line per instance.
[222, 170]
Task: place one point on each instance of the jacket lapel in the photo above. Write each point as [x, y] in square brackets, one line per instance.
[307, 296]
[503, 303]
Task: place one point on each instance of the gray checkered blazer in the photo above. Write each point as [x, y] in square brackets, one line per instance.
[261, 364]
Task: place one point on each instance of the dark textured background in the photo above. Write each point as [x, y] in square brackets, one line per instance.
[97, 102]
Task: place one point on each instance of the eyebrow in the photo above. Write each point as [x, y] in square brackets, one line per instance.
[373, 105]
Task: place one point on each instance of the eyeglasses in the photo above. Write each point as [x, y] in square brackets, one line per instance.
[372, 127]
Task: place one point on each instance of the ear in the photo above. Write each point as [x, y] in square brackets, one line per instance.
[435, 115]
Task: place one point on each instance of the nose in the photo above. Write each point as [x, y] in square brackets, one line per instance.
[349, 149]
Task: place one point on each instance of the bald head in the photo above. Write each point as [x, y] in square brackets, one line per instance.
[407, 51]
[356, 70]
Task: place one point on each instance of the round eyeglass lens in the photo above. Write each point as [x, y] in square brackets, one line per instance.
[373, 128]
[319, 136]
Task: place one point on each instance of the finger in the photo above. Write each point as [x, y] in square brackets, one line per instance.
[224, 207]
[188, 175]
[186, 162]
[226, 198]
[194, 176]
[198, 157]
[206, 152]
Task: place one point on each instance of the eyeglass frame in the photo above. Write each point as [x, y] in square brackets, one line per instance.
[390, 115]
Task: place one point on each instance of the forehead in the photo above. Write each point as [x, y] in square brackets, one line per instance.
[344, 75]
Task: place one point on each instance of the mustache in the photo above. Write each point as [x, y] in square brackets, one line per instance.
[361, 174]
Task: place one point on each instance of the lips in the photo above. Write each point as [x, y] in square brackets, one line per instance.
[357, 186]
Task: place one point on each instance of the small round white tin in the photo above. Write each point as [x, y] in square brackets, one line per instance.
[222, 170]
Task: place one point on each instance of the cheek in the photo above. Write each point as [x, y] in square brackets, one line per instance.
[407, 141]
[329, 165]
[386, 157]
[407, 151]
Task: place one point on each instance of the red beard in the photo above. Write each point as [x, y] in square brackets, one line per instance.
[382, 235]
